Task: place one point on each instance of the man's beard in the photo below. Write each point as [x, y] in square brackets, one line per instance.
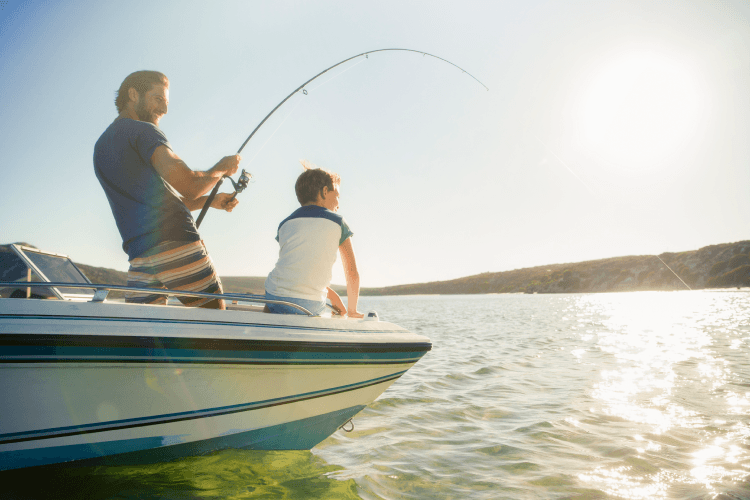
[144, 114]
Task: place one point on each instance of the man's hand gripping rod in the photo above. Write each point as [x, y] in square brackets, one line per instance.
[239, 186]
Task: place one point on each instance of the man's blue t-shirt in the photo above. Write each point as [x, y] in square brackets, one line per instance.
[147, 210]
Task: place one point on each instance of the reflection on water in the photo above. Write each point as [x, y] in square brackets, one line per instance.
[612, 396]
[635, 395]
[230, 474]
[670, 374]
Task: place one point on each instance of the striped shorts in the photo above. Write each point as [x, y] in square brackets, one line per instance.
[173, 265]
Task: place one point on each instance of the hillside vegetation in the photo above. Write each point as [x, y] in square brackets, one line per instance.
[715, 266]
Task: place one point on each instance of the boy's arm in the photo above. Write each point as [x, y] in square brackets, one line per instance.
[352, 277]
[336, 301]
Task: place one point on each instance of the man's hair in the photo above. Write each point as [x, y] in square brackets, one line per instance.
[141, 81]
[311, 182]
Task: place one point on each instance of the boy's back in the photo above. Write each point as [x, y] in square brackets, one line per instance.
[309, 240]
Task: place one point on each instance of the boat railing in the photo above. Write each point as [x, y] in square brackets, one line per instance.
[101, 292]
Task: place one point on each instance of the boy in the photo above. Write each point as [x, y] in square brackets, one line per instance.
[309, 239]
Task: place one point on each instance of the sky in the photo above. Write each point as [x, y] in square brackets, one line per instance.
[609, 128]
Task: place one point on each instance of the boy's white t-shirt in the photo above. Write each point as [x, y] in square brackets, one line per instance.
[308, 240]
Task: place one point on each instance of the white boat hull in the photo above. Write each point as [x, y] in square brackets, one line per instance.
[119, 383]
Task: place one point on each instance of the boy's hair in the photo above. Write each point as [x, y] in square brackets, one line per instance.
[311, 182]
[141, 81]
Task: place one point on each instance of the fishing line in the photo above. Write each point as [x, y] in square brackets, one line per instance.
[215, 190]
[678, 276]
[338, 74]
[274, 132]
[564, 165]
[571, 171]
[367, 55]
[296, 106]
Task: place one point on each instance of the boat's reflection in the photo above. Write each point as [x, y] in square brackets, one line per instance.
[227, 474]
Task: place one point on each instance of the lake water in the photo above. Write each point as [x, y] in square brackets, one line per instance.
[639, 395]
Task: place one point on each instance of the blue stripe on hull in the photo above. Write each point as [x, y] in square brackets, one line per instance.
[47, 354]
[39, 434]
[46, 348]
[298, 435]
[192, 322]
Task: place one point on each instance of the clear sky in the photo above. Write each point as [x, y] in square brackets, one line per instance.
[610, 128]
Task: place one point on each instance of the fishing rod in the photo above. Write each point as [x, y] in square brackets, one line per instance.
[211, 197]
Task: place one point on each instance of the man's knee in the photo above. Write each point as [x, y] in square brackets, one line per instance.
[215, 304]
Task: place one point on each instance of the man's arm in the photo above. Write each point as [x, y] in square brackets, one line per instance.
[221, 201]
[352, 278]
[189, 183]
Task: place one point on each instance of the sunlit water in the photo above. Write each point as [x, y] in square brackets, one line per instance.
[633, 396]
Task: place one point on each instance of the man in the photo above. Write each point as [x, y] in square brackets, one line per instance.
[151, 192]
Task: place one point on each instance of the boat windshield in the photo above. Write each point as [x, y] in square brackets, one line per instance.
[57, 268]
[54, 268]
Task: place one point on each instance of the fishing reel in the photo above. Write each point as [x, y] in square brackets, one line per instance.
[241, 183]
[239, 186]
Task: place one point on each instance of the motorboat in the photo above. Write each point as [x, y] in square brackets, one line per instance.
[90, 379]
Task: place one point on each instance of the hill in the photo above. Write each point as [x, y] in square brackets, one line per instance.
[715, 266]
[244, 284]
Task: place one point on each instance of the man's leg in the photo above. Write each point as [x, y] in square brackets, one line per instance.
[215, 304]
[189, 268]
[140, 275]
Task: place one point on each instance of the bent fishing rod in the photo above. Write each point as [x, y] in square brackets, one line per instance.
[244, 176]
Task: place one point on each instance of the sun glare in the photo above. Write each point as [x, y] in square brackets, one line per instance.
[640, 109]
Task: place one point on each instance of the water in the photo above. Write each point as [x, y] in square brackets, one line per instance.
[612, 396]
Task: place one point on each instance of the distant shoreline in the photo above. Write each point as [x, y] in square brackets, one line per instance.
[721, 266]
[716, 266]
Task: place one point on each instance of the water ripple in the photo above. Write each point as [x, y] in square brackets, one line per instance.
[610, 396]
